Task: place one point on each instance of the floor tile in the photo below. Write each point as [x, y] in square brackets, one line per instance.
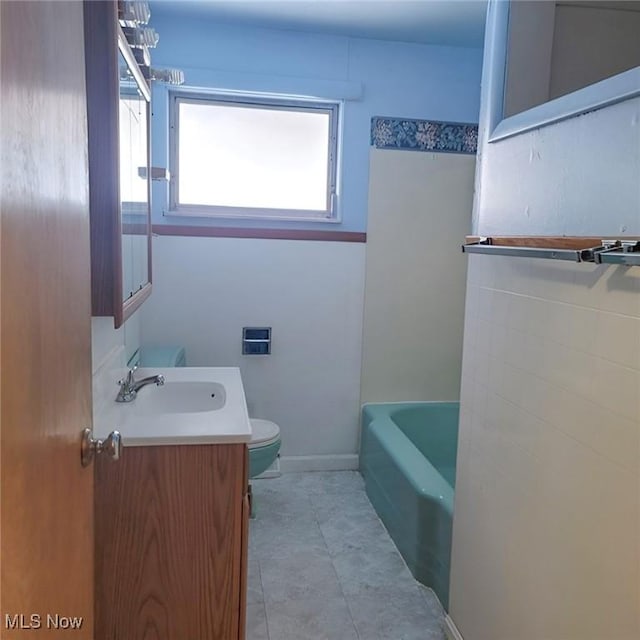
[281, 500]
[349, 503]
[282, 537]
[392, 615]
[299, 575]
[337, 482]
[311, 619]
[325, 482]
[257, 622]
[366, 572]
[254, 582]
[326, 567]
[433, 604]
[346, 534]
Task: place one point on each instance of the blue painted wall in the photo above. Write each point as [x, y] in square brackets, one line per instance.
[376, 78]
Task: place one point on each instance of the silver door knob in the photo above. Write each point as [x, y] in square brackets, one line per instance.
[91, 447]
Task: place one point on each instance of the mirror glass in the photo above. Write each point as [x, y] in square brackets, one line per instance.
[134, 184]
[556, 48]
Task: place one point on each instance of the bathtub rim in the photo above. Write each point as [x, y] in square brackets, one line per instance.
[373, 410]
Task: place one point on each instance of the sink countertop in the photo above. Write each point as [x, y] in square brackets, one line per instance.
[227, 425]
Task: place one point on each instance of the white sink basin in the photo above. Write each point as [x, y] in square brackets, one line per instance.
[196, 405]
[180, 397]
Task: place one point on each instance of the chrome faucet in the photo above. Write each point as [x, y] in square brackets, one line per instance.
[129, 386]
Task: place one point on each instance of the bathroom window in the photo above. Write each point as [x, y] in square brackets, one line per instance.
[241, 157]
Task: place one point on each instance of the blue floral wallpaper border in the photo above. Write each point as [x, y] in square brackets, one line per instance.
[423, 135]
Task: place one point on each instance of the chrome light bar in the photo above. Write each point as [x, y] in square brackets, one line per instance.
[133, 13]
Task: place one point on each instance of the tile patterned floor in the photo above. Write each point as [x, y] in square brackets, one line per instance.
[323, 567]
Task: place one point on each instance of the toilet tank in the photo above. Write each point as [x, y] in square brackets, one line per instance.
[166, 356]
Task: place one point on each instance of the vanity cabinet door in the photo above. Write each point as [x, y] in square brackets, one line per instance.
[169, 543]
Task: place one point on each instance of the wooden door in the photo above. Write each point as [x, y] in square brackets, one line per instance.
[46, 513]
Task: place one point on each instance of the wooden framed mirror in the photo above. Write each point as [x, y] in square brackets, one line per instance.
[118, 115]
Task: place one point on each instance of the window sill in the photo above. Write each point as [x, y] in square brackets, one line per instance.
[268, 234]
[278, 215]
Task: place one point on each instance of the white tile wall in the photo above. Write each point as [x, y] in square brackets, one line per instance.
[105, 389]
[547, 525]
[104, 340]
[419, 211]
[110, 350]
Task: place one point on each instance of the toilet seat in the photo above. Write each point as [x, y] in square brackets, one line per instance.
[264, 433]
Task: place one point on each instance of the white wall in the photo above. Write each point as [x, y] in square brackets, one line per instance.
[419, 212]
[577, 177]
[206, 289]
[547, 513]
[105, 339]
[546, 540]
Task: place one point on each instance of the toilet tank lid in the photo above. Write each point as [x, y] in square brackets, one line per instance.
[263, 432]
[166, 356]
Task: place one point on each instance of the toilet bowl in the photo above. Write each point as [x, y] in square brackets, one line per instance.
[264, 446]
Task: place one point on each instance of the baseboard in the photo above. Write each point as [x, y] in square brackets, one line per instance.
[338, 462]
[451, 630]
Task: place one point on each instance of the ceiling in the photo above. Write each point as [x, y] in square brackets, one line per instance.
[443, 22]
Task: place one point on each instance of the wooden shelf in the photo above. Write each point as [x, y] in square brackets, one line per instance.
[539, 242]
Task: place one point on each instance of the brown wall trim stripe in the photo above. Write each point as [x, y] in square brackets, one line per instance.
[271, 234]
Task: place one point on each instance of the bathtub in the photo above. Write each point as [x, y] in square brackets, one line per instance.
[408, 461]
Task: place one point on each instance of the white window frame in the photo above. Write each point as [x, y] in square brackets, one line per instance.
[332, 108]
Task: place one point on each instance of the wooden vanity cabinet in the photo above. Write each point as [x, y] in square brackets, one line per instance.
[171, 543]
